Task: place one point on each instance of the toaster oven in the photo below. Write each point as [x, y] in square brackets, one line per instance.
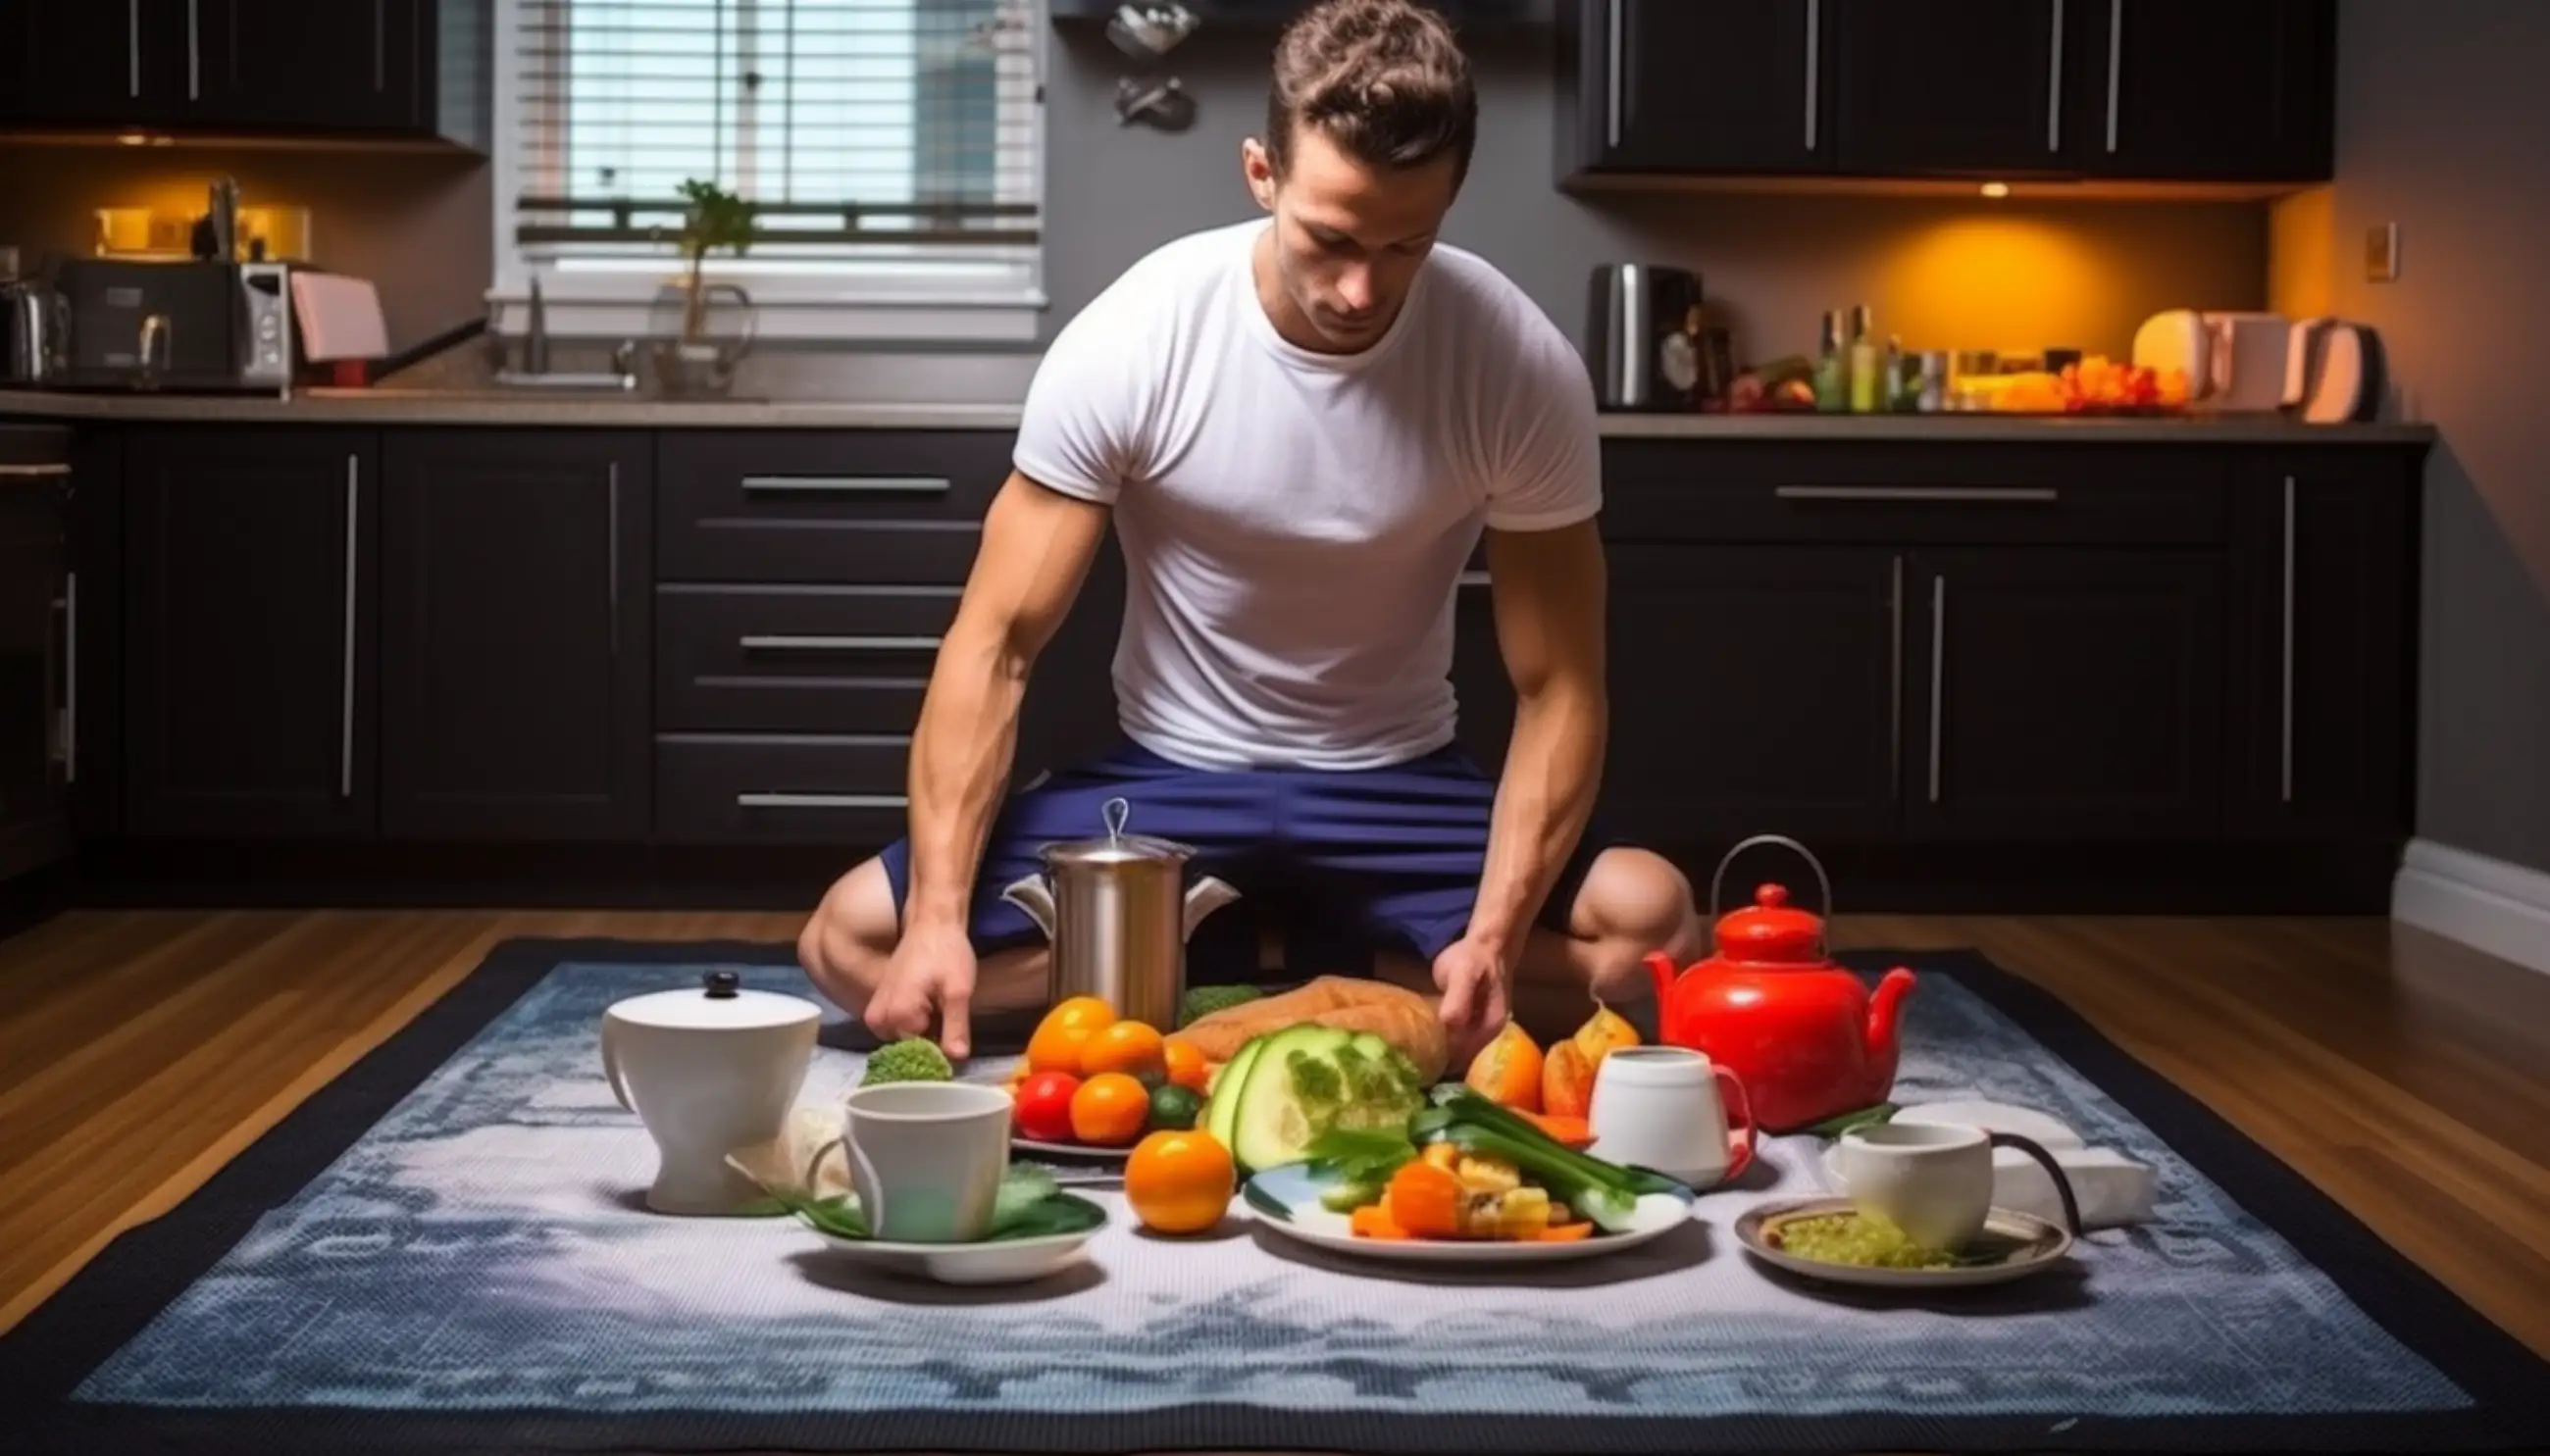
[191, 326]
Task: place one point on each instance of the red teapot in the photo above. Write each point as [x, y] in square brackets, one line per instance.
[1806, 1038]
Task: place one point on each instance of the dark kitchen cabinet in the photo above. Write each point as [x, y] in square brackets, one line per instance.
[350, 66]
[2198, 90]
[1740, 87]
[515, 649]
[83, 61]
[35, 648]
[1952, 87]
[2324, 668]
[2063, 693]
[250, 600]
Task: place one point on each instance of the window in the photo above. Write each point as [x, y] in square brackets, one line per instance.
[892, 151]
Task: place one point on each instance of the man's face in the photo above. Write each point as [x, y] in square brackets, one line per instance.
[1348, 239]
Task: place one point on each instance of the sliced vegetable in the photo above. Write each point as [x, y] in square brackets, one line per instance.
[1456, 1103]
[1555, 1169]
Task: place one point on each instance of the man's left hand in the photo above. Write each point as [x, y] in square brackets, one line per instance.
[1473, 976]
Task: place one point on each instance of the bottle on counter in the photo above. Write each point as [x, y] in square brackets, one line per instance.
[1832, 368]
[1863, 362]
[1892, 396]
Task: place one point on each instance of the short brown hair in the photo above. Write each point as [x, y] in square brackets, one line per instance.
[1383, 79]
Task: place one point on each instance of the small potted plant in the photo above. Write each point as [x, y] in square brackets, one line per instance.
[712, 219]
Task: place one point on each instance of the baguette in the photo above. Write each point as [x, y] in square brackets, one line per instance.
[1400, 1016]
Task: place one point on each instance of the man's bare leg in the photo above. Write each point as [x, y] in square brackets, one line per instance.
[849, 940]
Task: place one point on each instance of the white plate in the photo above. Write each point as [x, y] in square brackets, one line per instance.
[1287, 1200]
[2043, 1246]
[1010, 1261]
[1071, 1150]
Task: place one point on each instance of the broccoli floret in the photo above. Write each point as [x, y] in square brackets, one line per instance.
[1204, 1000]
[913, 1059]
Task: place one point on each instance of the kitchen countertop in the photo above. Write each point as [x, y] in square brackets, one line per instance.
[495, 407]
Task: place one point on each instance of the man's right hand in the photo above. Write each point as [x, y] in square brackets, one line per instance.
[932, 970]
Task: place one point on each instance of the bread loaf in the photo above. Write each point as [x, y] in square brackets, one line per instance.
[1403, 1017]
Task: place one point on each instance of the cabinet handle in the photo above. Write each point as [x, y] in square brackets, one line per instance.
[133, 50]
[1471, 579]
[822, 801]
[846, 484]
[1612, 91]
[2054, 85]
[2285, 733]
[53, 471]
[614, 549]
[194, 54]
[2115, 62]
[781, 644]
[1815, 40]
[1895, 683]
[70, 677]
[346, 724]
[1998, 493]
[1938, 673]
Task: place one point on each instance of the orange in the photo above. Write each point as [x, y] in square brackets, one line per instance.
[1064, 1032]
[1187, 1067]
[1603, 1033]
[1507, 1070]
[1566, 1082]
[1180, 1182]
[1109, 1110]
[1130, 1047]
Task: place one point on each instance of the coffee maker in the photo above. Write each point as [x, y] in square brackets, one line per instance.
[1648, 338]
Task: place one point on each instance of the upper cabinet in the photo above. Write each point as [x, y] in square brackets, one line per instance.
[2171, 91]
[350, 70]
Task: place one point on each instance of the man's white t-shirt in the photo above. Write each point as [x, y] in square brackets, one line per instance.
[1294, 524]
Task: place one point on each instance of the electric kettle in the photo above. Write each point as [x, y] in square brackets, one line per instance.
[34, 338]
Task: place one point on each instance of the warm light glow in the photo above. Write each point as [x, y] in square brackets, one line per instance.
[134, 138]
[2005, 281]
[1995, 189]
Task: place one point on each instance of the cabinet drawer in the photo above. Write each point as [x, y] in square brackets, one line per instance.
[881, 506]
[846, 789]
[1916, 494]
[796, 659]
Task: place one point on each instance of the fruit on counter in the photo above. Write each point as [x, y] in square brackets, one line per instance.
[1784, 383]
[1400, 1016]
[1043, 1112]
[1204, 1000]
[1174, 1107]
[1567, 1081]
[1603, 1033]
[1059, 1038]
[2092, 385]
[912, 1060]
[1187, 1067]
[1179, 1181]
[1288, 1088]
[1508, 1069]
[1126, 1046]
[1110, 1109]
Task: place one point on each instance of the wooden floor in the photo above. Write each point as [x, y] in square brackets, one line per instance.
[2407, 1076]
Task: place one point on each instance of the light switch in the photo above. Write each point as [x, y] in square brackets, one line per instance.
[2381, 252]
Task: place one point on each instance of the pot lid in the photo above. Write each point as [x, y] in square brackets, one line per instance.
[1115, 847]
[719, 1004]
[1770, 928]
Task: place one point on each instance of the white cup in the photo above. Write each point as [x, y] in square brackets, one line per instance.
[1934, 1181]
[1659, 1108]
[926, 1158]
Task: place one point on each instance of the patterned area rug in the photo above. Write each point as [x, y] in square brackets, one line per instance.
[445, 1250]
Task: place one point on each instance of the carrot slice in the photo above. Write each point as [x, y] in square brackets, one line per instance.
[1568, 1132]
[1424, 1199]
[1565, 1232]
[1373, 1220]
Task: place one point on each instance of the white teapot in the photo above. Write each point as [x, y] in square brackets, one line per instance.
[708, 1071]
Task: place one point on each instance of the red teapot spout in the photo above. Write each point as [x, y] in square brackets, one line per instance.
[1884, 1009]
[1662, 970]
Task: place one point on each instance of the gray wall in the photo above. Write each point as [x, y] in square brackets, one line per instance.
[2440, 112]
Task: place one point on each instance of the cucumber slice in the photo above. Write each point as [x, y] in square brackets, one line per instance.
[1221, 1109]
[1275, 1122]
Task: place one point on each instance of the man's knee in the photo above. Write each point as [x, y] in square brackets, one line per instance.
[849, 940]
[1635, 895]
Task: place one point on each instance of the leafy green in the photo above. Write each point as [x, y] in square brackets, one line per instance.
[1030, 1205]
[1458, 1105]
[1360, 1155]
[1599, 1196]
[1204, 1000]
[1836, 1127]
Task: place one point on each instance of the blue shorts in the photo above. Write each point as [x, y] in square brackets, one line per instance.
[1333, 865]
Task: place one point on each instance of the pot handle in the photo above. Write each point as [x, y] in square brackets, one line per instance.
[1823, 881]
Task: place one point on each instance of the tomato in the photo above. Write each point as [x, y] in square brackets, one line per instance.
[1179, 1181]
[1110, 1109]
[1045, 1106]
[1130, 1047]
[1061, 1038]
[1187, 1067]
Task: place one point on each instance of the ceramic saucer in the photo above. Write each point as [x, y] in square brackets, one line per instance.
[2034, 1246]
[991, 1261]
[1287, 1200]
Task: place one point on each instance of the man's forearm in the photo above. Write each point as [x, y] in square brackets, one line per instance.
[1553, 768]
[963, 748]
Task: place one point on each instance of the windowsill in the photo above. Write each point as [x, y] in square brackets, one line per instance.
[802, 309]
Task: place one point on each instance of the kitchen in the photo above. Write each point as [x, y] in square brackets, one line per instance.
[415, 637]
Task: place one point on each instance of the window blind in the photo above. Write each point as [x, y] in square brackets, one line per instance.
[861, 130]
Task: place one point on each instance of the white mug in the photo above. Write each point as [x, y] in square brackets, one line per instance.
[1659, 1108]
[926, 1158]
[1934, 1181]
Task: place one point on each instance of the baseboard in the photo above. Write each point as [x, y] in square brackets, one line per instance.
[2489, 904]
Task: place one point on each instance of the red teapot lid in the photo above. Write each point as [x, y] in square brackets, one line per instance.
[1771, 929]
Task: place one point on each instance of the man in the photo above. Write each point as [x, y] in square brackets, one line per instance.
[1300, 428]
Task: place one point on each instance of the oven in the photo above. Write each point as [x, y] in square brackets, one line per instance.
[39, 626]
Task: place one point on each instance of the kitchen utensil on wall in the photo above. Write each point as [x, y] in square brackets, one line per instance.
[1117, 912]
[1805, 1035]
[1645, 337]
[707, 1071]
[1148, 32]
[1161, 104]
